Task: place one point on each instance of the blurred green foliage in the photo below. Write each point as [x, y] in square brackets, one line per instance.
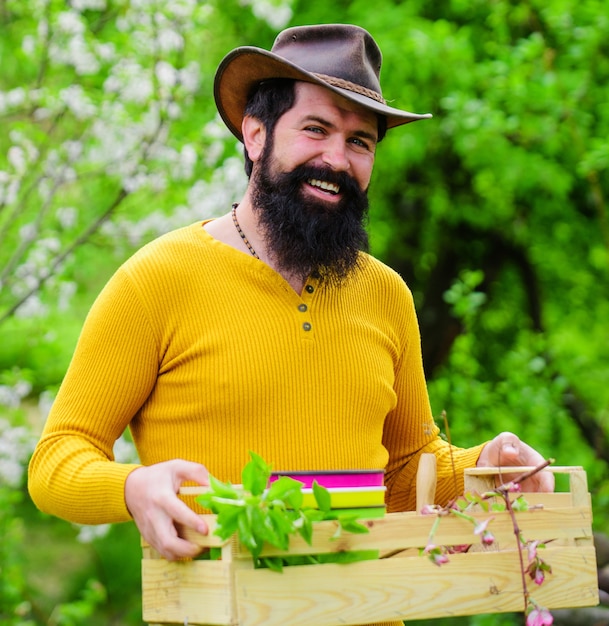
[495, 212]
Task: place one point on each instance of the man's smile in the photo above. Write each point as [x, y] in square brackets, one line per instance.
[331, 188]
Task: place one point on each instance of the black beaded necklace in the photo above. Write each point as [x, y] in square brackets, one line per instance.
[241, 233]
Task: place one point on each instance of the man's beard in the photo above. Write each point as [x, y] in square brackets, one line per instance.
[306, 236]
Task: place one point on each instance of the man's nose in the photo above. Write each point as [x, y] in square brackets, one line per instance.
[335, 155]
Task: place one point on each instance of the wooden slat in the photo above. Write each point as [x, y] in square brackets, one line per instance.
[406, 589]
[187, 592]
[408, 530]
[426, 481]
[520, 469]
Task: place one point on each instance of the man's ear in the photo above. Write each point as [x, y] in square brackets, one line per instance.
[254, 137]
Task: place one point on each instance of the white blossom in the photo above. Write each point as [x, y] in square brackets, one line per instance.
[67, 217]
[73, 150]
[29, 45]
[174, 111]
[32, 307]
[105, 51]
[16, 157]
[69, 47]
[84, 61]
[130, 80]
[28, 232]
[49, 244]
[93, 5]
[190, 77]
[170, 40]
[15, 97]
[9, 193]
[42, 113]
[43, 29]
[166, 74]
[67, 289]
[23, 388]
[183, 168]
[45, 188]
[217, 131]
[213, 198]
[88, 534]
[8, 398]
[29, 151]
[16, 442]
[275, 13]
[182, 9]
[124, 451]
[134, 182]
[70, 23]
[77, 101]
[27, 279]
[45, 402]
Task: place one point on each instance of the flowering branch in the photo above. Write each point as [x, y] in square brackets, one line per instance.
[536, 568]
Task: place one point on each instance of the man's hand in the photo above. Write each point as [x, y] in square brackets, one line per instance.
[506, 449]
[151, 497]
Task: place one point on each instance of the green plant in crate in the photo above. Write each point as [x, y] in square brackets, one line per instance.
[261, 514]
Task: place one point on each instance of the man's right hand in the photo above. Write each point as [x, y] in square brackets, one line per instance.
[151, 497]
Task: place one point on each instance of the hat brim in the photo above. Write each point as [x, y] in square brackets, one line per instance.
[245, 67]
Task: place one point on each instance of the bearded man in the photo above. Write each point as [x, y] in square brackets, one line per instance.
[268, 329]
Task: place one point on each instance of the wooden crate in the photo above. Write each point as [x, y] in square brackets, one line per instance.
[401, 585]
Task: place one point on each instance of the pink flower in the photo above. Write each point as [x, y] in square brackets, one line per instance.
[537, 570]
[482, 526]
[532, 550]
[487, 536]
[429, 509]
[459, 548]
[436, 554]
[539, 617]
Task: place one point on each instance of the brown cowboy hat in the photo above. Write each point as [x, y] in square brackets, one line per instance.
[341, 57]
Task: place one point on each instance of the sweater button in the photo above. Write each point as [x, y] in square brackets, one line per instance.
[306, 326]
[303, 308]
[309, 289]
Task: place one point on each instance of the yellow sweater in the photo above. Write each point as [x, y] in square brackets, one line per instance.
[206, 353]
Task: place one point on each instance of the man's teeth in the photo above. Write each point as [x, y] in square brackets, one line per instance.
[322, 184]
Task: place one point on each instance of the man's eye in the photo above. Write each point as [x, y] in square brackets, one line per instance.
[314, 129]
[360, 143]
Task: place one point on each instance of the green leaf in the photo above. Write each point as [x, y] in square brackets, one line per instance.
[215, 554]
[227, 521]
[246, 536]
[223, 490]
[322, 497]
[316, 515]
[287, 490]
[218, 493]
[461, 503]
[305, 528]
[520, 504]
[273, 563]
[282, 523]
[349, 556]
[262, 528]
[353, 526]
[255, 475]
